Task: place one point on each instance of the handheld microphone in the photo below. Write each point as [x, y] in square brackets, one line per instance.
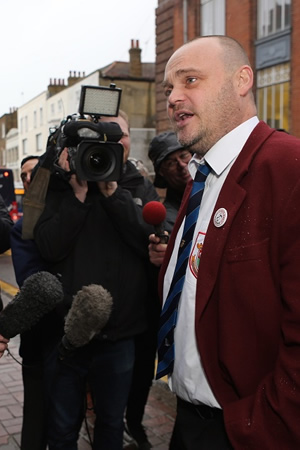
[39, 295]
[154, 213]
[89, 313]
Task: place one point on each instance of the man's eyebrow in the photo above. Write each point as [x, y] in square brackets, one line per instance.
[165, 84]
[181, 72]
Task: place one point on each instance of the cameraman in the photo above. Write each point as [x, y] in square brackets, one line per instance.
[93, 232]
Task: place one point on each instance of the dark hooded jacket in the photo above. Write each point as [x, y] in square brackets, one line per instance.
[101, 241]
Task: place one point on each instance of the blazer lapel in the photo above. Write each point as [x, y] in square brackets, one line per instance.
[230, 198]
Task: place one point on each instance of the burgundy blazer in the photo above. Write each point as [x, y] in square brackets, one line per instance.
[248, 294]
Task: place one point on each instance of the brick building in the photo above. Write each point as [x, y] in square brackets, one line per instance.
[269, 30]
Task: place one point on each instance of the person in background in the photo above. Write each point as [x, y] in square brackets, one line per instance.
[6, 224]
[170, 161]
[27, 261]
[25, 255]
[140, 166]
[92, 232]
[237, 333]
[27, 165]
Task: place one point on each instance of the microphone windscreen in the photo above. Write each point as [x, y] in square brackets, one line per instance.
[39, 295]
[89, 313]
[154, 213]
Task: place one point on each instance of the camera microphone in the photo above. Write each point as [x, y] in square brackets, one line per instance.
[89, 313]
[154, 213]
[40, 293]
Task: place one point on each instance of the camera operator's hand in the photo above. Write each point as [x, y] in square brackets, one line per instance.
[107, 188]
[3, 344]
[80, 187]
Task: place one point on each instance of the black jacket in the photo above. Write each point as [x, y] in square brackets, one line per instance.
[27, 261]
[6, 224]
[102, 241]
[172, 203]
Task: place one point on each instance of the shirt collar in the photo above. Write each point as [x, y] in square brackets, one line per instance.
[226, 149]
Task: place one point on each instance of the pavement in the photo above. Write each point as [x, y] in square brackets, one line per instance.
[159, 412]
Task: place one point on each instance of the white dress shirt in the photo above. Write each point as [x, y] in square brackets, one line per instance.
[188, 380]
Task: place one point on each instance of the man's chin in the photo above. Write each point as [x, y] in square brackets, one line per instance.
[183, 138]
[194, 146]
[186, 142]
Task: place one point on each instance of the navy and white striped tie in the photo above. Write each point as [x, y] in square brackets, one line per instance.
[168, 315]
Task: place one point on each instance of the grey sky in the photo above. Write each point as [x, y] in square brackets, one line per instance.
[48, 39]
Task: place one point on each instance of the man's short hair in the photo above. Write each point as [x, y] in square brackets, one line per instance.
[27, 158]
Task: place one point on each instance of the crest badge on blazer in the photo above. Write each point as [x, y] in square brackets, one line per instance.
[195, 256]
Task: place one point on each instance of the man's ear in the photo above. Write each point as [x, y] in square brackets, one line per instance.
[245, 80]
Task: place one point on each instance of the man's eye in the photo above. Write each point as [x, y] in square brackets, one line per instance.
[191, 80]
[167, 92]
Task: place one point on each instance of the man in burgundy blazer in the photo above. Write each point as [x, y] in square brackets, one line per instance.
[247, 299]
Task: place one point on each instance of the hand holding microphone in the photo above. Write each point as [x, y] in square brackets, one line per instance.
[154, 213]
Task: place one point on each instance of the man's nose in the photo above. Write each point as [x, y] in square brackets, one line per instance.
[176, 96]
[182, 163]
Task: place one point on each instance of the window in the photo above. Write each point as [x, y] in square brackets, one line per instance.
[212, 17]
[60, 107]
[34, 119]
[273, 98]
[41, 116]
[3, 130]
[38, 141]
[273, 16]
[25, 146]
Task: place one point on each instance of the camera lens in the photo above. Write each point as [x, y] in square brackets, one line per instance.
[99, 161]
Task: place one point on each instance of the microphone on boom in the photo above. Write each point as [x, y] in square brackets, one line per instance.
[40, 293]
[89, 313]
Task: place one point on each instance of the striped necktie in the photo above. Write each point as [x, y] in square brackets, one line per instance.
[168, 315]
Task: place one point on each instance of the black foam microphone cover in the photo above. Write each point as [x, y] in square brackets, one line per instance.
[40, 293]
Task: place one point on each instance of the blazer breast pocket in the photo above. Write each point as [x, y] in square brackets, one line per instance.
[254, 251]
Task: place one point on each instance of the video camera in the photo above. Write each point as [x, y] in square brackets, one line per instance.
[94, 153]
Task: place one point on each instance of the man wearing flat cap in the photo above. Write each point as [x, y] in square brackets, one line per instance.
[170, 161]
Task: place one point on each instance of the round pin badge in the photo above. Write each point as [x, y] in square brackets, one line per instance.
[220, 217]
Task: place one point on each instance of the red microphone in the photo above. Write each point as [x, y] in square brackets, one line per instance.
[154, 213]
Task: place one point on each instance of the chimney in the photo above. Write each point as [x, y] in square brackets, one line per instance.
[55, 86]
[135, 59]
[74, 77]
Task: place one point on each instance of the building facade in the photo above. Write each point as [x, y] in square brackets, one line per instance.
[7, 122]
[268, 30]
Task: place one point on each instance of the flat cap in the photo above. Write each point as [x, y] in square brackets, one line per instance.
[160, 147]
